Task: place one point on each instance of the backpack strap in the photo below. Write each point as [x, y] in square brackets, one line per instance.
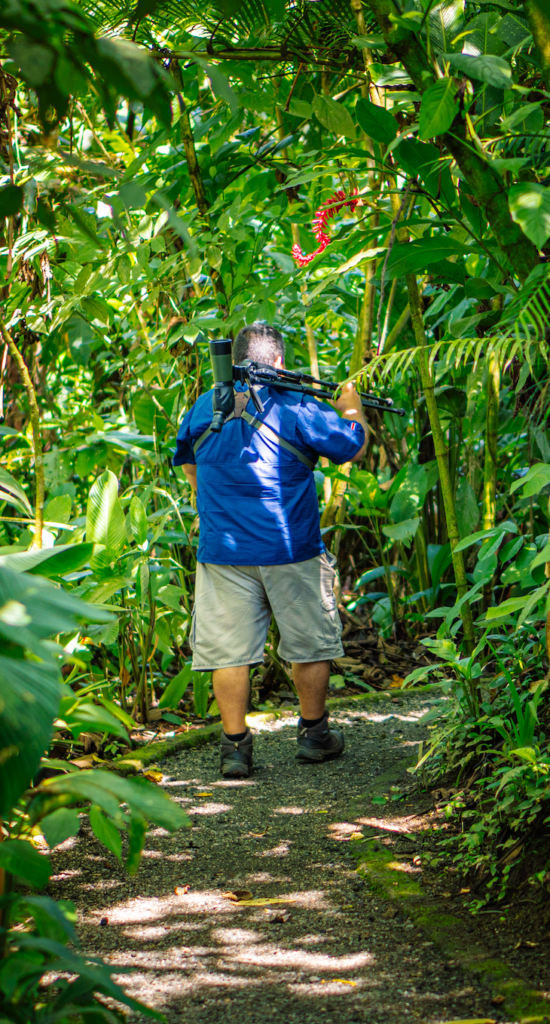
[257, 424]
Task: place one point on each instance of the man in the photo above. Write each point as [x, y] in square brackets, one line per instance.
[260, 549]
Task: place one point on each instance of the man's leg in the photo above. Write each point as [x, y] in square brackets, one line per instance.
[311, 680]
[231, 690]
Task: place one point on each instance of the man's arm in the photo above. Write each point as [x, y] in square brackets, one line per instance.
[190, 470]
[349, 405]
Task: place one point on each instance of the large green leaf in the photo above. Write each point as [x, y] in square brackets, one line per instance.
[530, 208]
[138, 520]
[438, 108]
[403, 531]
[29, 698]
[32, 609]
[60, 825]
[423, 159]
[56, 561]
[414, 257]
[376, 122]
[12, 492]
[334, 116]
[108, 791]
[537, 477]
[485, 67]
[22, 859]
[104, 516]
[176, 688]
[467, 508]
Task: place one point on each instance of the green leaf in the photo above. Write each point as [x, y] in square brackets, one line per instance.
[36, 61]
[106, 831]
[104, 517]
[530, 208]
[108, 791]
[507, 527]
[414, 257]
[56, 561]
[438, 109]
[537, 477]
[376, 122]
[12, 492]
[403, 531]
[136, 839]
[86, 716]
[29, 698]
[60, 825]
[58, 510]
[21, 859]
[334, 116]
[467, 509]
[134, 63]
[138, 520]
[11, 200]
[170, 596]
[484, 67]
[176, 688]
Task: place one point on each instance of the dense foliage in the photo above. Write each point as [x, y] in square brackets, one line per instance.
[166, 169]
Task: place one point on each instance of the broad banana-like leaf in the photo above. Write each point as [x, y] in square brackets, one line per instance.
[11, 491]
[104, 517]
[56, 561]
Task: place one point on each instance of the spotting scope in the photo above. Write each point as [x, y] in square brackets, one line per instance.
[260, 375]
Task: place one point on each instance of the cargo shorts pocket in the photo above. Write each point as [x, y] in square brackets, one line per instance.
[332, 626]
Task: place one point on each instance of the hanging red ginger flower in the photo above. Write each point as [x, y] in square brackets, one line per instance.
[319, 223]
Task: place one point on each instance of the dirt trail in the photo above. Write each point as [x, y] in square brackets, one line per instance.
[334, 950]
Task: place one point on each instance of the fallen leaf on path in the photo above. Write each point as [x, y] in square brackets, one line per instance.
[396, 681]
[356, 835]
[498, 1000]
[181, 890]
[153, 774]
[257, 835]
[265, 902]
[83, 762]
[341, 981]
[204, 794]
[237, 895]
[463, 892]
[472, 1020]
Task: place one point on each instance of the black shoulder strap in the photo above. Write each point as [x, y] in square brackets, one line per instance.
[264, 429]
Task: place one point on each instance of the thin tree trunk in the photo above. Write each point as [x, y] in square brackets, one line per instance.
[35, 427]
[195, 175]
[538, 16]
[441, 455]
[397, 328]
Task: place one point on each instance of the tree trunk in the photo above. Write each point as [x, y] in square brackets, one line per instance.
[538, 16]
[195, 175]
[441, 455]
[35, 427]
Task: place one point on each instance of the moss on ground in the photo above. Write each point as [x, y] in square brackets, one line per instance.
[394, 881]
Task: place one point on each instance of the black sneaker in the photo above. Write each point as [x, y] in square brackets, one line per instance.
[319, 743]
[236, 757]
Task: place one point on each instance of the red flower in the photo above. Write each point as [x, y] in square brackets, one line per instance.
[319, 223]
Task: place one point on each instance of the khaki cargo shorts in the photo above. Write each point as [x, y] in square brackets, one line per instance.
[234, 605]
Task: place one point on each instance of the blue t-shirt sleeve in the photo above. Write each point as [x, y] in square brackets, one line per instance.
[322, 429]
[184, 454]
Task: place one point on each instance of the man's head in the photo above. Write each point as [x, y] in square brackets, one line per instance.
[260, 343]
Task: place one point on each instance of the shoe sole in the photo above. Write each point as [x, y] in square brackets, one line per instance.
[317, 756]
[237, 772]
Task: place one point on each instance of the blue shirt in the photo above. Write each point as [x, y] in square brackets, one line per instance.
[257, 502]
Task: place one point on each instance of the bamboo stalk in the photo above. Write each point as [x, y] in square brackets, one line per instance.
[441, 455]
[35, 427]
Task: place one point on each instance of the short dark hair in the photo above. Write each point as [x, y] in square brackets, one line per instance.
[259, 342]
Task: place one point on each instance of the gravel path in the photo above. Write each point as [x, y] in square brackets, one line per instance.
[330, 947]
